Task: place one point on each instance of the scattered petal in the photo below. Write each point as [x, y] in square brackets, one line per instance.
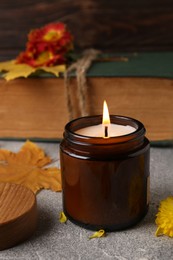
[62, 217]
[98, 234]
[159, 232]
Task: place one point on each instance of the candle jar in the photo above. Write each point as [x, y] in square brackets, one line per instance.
[105, 181]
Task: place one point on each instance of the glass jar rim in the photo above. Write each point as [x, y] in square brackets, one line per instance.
[82, 122]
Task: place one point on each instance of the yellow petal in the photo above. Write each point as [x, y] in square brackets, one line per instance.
[98, 234]
[159, 232]
[56, 70]
[62, 217]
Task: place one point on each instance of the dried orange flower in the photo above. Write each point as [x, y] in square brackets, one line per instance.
[47, 46]
[164, 218]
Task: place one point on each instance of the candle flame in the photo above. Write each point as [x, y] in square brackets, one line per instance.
[106, 117]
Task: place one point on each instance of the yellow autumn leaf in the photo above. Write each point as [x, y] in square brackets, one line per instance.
[98, 234]
[7, 65]
[56, 70]
[19, 70]
[14, 70]
[27, 167]
[62, 217]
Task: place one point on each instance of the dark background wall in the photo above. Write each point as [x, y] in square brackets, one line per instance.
[110, 25]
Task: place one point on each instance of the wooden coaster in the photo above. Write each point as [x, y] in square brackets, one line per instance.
[18, 214]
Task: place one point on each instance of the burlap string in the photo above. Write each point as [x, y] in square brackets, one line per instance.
[80, 67]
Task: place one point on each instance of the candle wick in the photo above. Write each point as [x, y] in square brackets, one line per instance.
[106, 131]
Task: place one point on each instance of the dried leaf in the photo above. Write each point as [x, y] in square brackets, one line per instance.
[27, 167]
[54, 69]
[14, 70]
[19, 70]
[62, 217]
[7, 65]
[98, 234]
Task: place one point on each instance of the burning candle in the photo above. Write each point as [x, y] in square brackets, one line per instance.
[106, 129]
[105, 175]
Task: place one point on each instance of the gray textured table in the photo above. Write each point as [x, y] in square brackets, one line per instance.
[53, 240]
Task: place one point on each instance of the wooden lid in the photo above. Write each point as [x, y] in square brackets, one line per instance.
[18, 214]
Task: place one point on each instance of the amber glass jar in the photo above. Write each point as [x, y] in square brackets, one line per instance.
[105, 181]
